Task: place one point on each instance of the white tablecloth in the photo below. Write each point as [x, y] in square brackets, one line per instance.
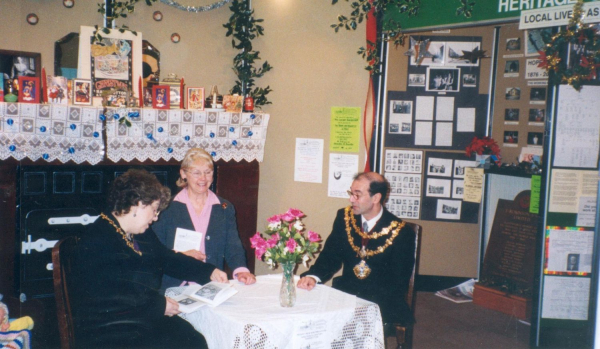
[321, 318]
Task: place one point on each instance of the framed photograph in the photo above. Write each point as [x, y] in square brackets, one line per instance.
[29, 89]
[513, 44]
[82, 92]
[57, 90]
[511, 67]
[195, 98]
[443, 79]
[160, 97]
[458, 49]
[174, 96]
[535, 40]
[18, 63]
[538, 94]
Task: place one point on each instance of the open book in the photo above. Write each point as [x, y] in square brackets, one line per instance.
[196, 296]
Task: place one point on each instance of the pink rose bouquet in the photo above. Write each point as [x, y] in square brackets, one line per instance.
[285, 240]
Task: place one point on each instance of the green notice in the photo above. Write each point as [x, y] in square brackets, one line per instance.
[534, 201]
[345, 129]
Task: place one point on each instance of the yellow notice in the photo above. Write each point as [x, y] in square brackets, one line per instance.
[345, 129]
[473, 184]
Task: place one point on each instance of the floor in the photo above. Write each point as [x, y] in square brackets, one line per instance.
[444, 324]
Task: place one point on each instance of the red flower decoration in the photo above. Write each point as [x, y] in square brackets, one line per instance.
[484, 145]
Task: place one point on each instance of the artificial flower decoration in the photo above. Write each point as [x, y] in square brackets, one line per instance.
[584, 53]
[484, 145]
[285, 240]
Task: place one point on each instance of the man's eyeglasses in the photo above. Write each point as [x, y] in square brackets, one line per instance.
[353, 195]
[198, 174]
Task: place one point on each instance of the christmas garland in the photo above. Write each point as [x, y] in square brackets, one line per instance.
[584, 44]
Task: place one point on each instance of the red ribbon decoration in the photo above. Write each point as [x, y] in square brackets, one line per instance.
[370, 110]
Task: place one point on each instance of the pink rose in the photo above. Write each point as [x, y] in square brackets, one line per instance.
[287, 217]
[291, 245]
[313, 237]
[295, 212]
[257, 240]
[259, 252]
[274, 220]
[272, 242]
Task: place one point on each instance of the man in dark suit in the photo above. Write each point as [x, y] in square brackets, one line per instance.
[375, 248]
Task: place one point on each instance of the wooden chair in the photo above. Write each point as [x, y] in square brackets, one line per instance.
[62, 263]
[404, 334]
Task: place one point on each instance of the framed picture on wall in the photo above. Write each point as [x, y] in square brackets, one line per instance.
[29, 89]
[160, 97]
[195, 98]
[443, 79]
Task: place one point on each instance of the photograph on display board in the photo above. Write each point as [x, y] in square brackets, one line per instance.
[436, 187]
[443, 79]
[469, 80]
[430, 53]
[513, 44]
[511, 138]
[458, 188]
[416, 80]
[537, 115]
[535, 138]
[404, 206]
[511, 68]
[538, 94]
[400, 117]
[461, 165]
[569, 250]
[448, 209]
[460, 53]
[511, 115]
[535, 40]
[410, 161]
[439, 167]
[404, 183]
[513, 93]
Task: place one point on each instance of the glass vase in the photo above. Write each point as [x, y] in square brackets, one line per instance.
[287, 293]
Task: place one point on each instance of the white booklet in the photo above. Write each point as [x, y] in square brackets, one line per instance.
[196, 296]
[186, 240]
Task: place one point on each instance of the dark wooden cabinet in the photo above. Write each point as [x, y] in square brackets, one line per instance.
[41, 203]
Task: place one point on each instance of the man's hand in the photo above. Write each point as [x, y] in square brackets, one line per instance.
[195, 254]
[219, 276]
[246, 277]
[307, 283]
[172, 307]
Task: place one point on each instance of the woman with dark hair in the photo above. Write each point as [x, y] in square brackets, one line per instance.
[117, 271]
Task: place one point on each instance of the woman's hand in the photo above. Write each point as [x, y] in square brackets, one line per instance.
[246, 277]
[195, 254]
[219, 276]
[172, 307]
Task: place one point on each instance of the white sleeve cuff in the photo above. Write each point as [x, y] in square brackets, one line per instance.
[315, 278]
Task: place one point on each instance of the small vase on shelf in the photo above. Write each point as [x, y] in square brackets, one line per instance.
[287, 294]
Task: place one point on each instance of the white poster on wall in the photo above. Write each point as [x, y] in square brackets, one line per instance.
[342, 168]
[308, 164]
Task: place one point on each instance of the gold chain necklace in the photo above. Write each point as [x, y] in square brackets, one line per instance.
[128, 240]
[362, 270]
[365, 235]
